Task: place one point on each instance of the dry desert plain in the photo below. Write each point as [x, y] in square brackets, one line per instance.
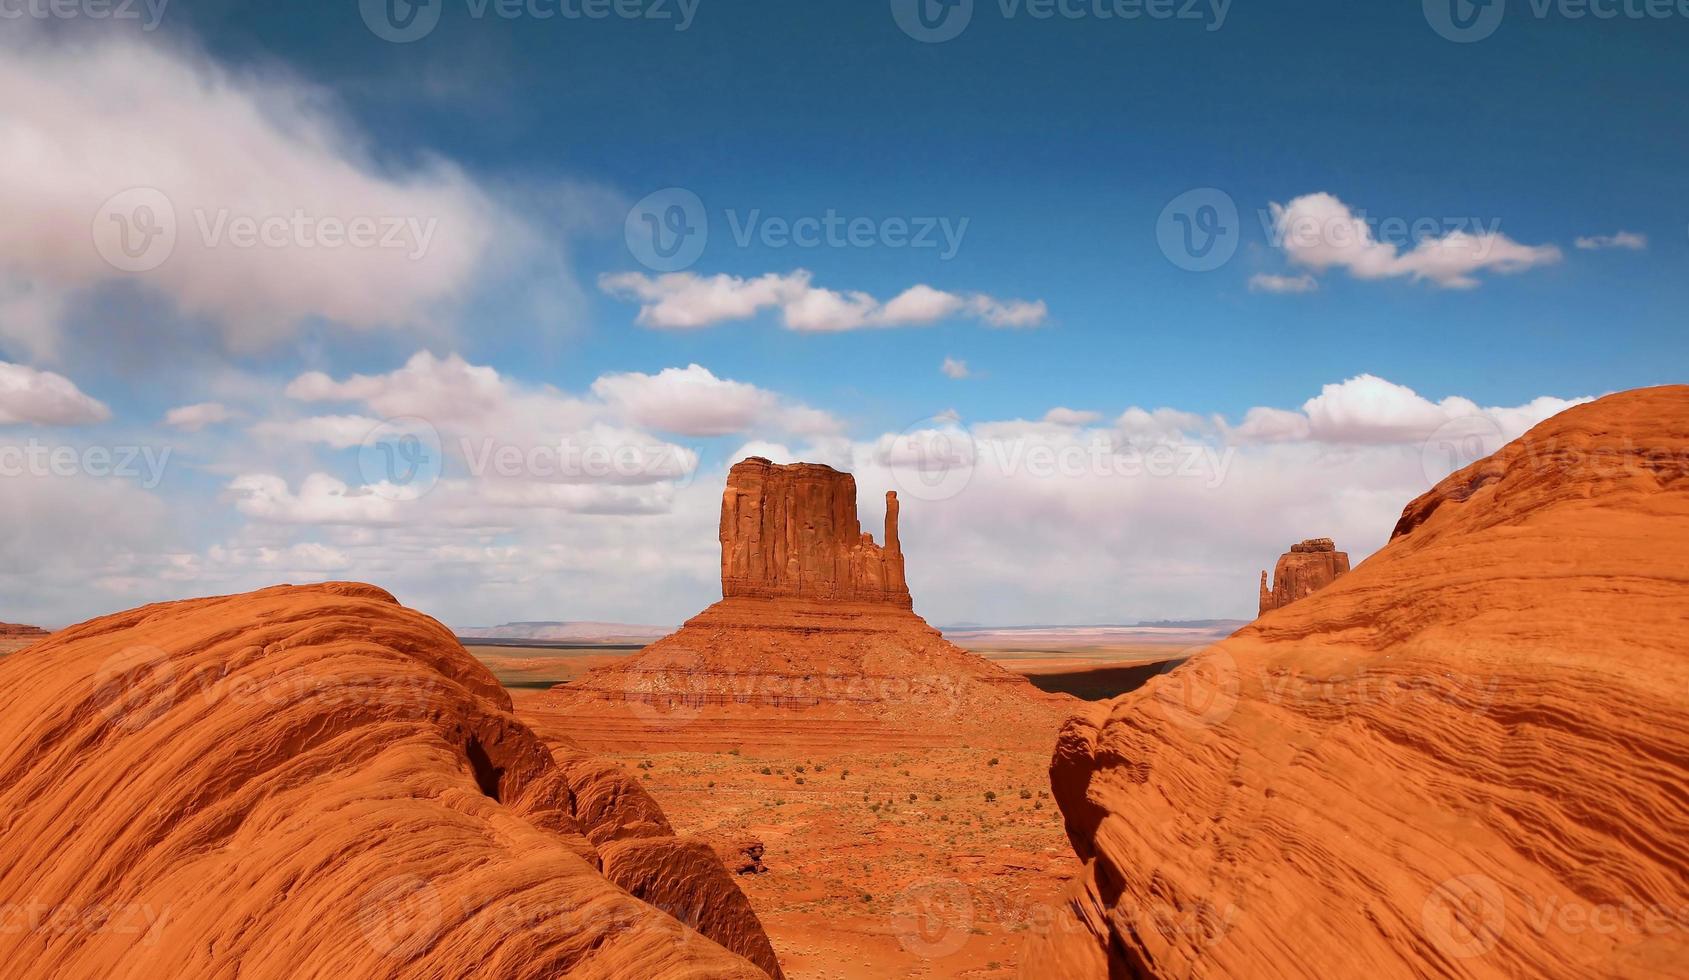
[881, 860]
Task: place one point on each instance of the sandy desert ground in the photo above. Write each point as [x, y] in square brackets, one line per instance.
[891, 861]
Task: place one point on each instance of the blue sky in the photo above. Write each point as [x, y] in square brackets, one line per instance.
[1059, 142]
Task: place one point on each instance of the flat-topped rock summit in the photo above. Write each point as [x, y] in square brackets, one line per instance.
[1306, 568]
[815, 623]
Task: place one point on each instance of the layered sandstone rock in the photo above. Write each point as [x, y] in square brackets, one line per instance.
[318, 782]
[1469, 757]
[14, 638]
[815, 622]
[1303, 570]
[792, 531]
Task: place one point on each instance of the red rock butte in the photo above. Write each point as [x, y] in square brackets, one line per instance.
[1303, 570]
[319, 782]
[815, 639]
[1466, 758]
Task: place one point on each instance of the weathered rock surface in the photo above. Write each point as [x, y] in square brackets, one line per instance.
[13, 630]
[1467, 758]
[319, 782]
[815, 622]
[1303, 570]
[792, 531]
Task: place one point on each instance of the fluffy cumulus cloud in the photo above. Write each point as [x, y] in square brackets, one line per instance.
[954, 369]
[1624, 239]
[686, 300]
[221, 191]
[32, 396]
[201, 415]
[1320, 232]
[692, 401]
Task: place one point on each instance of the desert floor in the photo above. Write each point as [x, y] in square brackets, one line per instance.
[881, 860]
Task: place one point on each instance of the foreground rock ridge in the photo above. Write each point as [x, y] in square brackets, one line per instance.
[318, 782]
[815, 624]
[1303, 570]
[791, 531]
[1469, 757]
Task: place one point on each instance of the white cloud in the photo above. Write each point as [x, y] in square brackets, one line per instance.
[334, 431]
[1069, 416]
[954, 369]
[1320, 232]
[89, 117]
[1265, 283]
[321, 499]
[692, 401]
[1368, 410]
[1624, 239]
[28, 395]
[686, 300]
[193, 418]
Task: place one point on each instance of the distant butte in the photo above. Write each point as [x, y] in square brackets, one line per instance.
[815, 637]
[1303, 570]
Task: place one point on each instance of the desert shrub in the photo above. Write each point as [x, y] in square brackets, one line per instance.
[990, 797]
[993, 761]
[1026, 794]
[767, 771]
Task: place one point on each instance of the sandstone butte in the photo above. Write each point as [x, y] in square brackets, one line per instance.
[815, 639]
[1469, 757]
[318, 782]
[1303, 570]
[13, 630]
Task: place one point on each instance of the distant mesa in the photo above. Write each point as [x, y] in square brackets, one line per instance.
[815, 624]
[582, 632]
[1466, 758]
[317, 781]
[14, 637]
[1303, 570]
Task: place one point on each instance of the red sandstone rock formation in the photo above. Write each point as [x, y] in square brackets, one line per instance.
[791, 531]
[815, 622]
[1303, 570]
[316, 782]
[1466, 758]
[14, 631]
